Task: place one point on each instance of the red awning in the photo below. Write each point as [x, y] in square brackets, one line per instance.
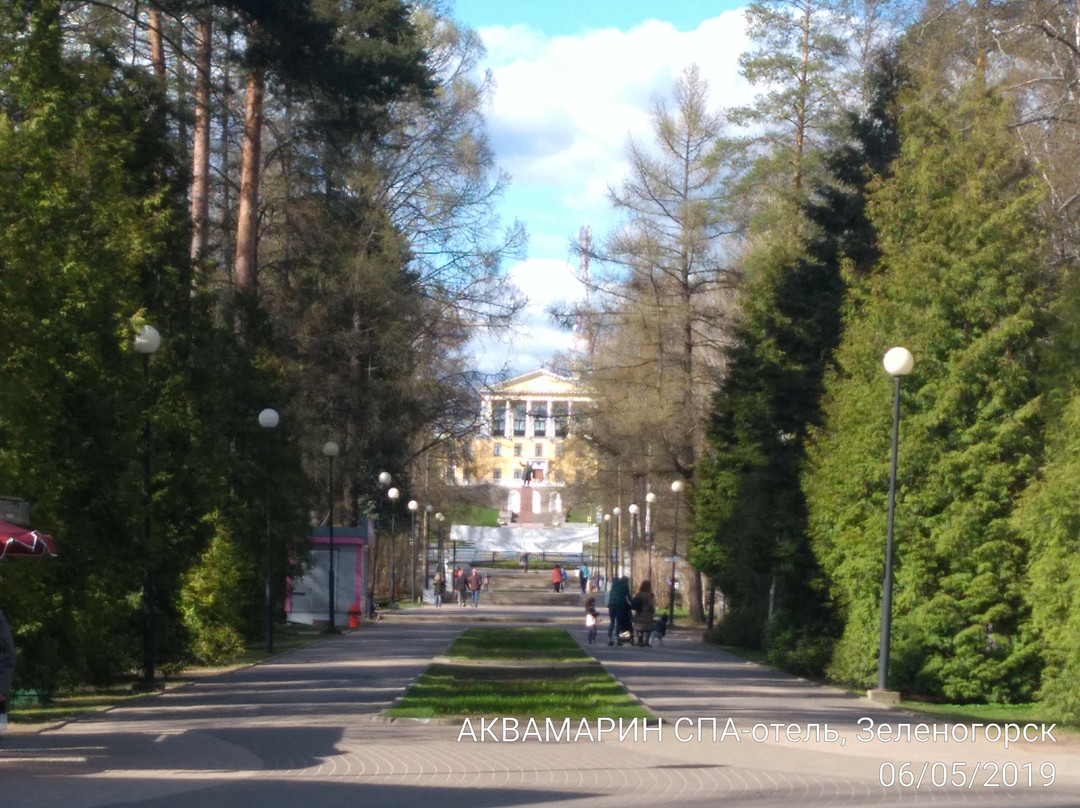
[15, 540]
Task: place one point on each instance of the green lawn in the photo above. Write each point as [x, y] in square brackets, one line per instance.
[531, 673]
[535, 644]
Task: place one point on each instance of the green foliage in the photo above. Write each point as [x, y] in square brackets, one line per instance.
[212, 600]
[87, 236]
[751, 515]
[960, 283]
[1048, 518]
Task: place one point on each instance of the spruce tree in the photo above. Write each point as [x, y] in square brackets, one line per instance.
[960, 283]
[751, 512]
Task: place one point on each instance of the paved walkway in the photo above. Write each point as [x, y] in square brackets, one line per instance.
[302, 730]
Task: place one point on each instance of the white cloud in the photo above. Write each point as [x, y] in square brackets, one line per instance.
[535, 339]
[565, 106]
[561, 115]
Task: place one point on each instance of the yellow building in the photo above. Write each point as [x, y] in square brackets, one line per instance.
[525, 446]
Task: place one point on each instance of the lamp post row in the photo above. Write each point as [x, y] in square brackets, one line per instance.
[898, 362]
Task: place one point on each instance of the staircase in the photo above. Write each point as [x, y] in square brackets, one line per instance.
[532, 588]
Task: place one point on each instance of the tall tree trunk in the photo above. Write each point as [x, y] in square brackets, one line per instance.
[200, 151]
[247, 230]
[157, 43]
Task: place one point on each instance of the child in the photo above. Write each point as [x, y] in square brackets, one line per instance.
[659, 630]
[590, 619]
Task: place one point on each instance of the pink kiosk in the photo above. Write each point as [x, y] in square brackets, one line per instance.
[307, 598]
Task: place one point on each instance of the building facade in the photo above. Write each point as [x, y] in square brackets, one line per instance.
[525, 448]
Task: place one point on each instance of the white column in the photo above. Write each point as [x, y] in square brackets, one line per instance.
[529, 420]
[549, 425]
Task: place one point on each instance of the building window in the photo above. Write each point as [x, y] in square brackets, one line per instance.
[496, 475]
[498, 419]
[559, 477]
[517, 474]
[540, 419]
[519, 419]
[496, 450]
[560, 450]
[562, 419]
[539, 450]
[518, 449]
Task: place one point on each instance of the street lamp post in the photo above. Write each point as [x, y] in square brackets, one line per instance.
[650, 500]
[438, 531]
[330, 451]
[428, 511]
[607, 550]
[393, 494]
[617, 513]
[147, 341]
[384, 481]
[676, 488]
[634, 510]
[898, 363]
[268, 419]
[413, 505]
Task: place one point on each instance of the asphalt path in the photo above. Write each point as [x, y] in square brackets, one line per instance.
[304, 730]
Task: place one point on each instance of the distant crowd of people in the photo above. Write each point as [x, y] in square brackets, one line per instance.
[466, 588]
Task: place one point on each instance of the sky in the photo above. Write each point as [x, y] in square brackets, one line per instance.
[574, 81]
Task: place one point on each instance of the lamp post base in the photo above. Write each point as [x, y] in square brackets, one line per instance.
[886, 698]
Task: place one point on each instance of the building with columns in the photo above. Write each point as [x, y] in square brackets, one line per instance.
[524, 450]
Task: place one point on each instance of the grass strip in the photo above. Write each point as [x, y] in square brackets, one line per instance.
[536, 687]
[469, 690]
[517, 644]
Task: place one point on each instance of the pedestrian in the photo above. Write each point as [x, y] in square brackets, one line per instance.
[644, 606]
[583, 574]
[590, 620]
[487, 581]
[438, 585]
[474, 585]
[556, 577]
[7, 669]
[460, 586]
[618, 609]
[562, 579]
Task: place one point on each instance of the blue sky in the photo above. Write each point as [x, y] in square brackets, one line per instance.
[564, 18]
[574, 81]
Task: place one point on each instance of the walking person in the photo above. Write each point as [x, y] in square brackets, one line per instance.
[583, 574]
[618, 606]
[590, 620]
[438, 586]
[644, 605]
[474, 583]
[456, 584]
[556, 577]
[461, 585]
